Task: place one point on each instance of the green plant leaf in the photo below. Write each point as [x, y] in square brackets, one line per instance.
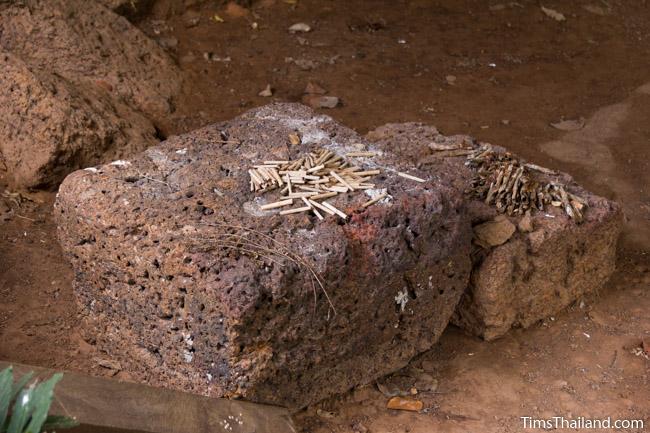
[42, 400]
[22, 382]
[21, 411]
[6, 381]
[17, 388]
[59, 421]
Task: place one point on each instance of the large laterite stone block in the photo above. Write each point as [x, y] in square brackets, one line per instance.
[190, 285]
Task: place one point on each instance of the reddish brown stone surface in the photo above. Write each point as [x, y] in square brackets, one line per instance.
[534, 274]
[183, 279]
[49, 126]
[79, 85]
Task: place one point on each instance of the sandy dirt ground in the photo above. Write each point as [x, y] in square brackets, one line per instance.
[502, 72]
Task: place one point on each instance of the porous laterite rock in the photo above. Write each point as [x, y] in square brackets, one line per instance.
[79, 85]
[548, 264]
[183, 279]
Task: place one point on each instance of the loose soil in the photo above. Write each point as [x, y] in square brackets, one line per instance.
[515, 71]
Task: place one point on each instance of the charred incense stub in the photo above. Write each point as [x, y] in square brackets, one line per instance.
[505, 181]
[411, 177]
[375, 200]
[277, 204]
[500, 178]
[319, 175]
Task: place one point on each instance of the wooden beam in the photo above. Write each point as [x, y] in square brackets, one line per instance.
[110, 406]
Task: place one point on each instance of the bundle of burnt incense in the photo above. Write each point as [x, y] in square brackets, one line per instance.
[313, 179]
[506, 182]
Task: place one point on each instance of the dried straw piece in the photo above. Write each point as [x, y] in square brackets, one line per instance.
[408, 176]
[295, 210]
[374, 200]
[360, 154]
[277, 204]
[266, 245]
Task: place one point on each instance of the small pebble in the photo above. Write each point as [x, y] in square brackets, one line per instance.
[300, 28]
[267, 92]
[403, 403]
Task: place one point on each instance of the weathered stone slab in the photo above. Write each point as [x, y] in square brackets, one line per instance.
[80, 85]
[82, 126]
[548, 264]
[190, 285]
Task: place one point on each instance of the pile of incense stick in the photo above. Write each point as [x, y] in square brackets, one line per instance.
[313, 179]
